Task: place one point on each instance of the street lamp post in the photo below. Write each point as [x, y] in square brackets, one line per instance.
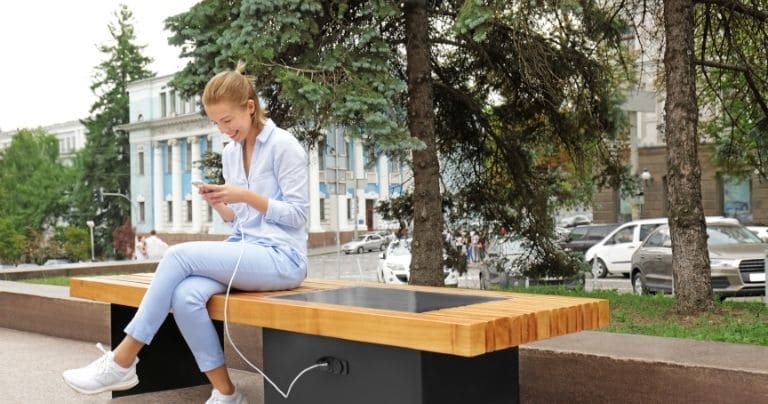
[335, 176]
[90, 226]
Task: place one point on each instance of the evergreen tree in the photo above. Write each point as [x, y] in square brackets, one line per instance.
[714, 71]
[523, 95]
[104, 162]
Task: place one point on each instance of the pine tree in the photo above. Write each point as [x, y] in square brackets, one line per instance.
[104, 162]
[499, 90]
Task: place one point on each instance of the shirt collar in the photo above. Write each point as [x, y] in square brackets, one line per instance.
[266, 131]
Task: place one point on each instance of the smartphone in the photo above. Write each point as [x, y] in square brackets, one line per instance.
[197, 183]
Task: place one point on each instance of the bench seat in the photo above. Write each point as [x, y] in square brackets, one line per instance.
[464, 331]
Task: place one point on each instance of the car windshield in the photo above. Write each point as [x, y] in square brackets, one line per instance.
[728, 234]
[361, 238]
[508, 247]
[400, 248]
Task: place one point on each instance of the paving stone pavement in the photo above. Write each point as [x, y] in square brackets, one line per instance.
[31, 373]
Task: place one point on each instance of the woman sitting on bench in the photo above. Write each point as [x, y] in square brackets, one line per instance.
[265, 199]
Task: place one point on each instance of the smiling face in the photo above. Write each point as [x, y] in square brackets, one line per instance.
[232, 119]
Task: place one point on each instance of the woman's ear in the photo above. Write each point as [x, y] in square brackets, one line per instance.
[251, 105]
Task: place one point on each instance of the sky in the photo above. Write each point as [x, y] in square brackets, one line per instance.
[48, 54]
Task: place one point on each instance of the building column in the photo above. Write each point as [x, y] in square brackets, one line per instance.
[340, 221]
[361, 181]
[176, 196]
[383, 168]
[314, 191]
[158, 198]
[196, 175]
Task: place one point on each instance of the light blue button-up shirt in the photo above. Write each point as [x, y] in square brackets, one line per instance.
[279, 171]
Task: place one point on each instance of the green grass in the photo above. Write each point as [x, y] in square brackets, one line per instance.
[59, 280]
[731, 321]
[49, 280]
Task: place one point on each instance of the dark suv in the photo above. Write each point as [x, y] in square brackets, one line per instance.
[580, 238]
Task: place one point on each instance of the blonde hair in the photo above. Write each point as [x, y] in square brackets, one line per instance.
[235, 87]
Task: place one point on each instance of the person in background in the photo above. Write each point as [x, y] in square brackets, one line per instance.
[155, 247]
[265, 199]
[140, 248]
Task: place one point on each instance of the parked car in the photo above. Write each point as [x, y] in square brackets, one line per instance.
[387, 235]
[365, 242]
[57, 261]
[613, 254]
[736, 255]
[581, 238]
[507, 261]
[504, 262]
[760, 231]
[574, 220]
[394, 265]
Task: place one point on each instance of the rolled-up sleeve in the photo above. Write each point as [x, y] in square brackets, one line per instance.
[291, 170]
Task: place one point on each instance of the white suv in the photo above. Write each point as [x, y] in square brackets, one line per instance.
[613, 254]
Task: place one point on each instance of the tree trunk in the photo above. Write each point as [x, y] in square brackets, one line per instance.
[427, 256]
[690, 258]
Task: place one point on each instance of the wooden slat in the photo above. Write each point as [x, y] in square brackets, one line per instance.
[468, 330]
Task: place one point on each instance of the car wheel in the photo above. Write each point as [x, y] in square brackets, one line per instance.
[359, 250]
[379, 276]
[638, 284]
[599, 269]
[382, 247]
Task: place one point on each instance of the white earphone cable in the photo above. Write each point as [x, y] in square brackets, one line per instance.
[229, 338]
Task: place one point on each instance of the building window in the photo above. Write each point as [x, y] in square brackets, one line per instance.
[321, 145]
[142, 212]
[188, 166]
[163, 108]
[141, 162]
[623, 207]
[737, 198]
[169, 160]
[170, 211]
[322, 209]
[349, 209]
[189, 211]
[172, 98]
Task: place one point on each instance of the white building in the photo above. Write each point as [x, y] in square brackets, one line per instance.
[168, 134]
[71, 137]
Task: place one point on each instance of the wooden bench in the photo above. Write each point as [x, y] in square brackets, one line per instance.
[402, 344]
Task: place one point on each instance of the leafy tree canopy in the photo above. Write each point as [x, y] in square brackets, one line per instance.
[32, 180]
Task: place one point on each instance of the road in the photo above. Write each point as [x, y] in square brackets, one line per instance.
[359, 267]
[362, 267]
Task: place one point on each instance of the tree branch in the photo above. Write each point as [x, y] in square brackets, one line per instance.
[720, 65]
[737, 7]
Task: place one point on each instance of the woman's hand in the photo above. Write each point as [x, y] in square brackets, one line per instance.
[216, 194]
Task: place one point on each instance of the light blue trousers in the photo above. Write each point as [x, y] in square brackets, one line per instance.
[190, 273]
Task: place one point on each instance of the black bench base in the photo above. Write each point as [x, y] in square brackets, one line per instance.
[377, 374]
[167, 363]
[381, 374]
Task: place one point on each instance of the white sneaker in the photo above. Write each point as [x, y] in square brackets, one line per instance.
[102, 375]
[218, 398]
